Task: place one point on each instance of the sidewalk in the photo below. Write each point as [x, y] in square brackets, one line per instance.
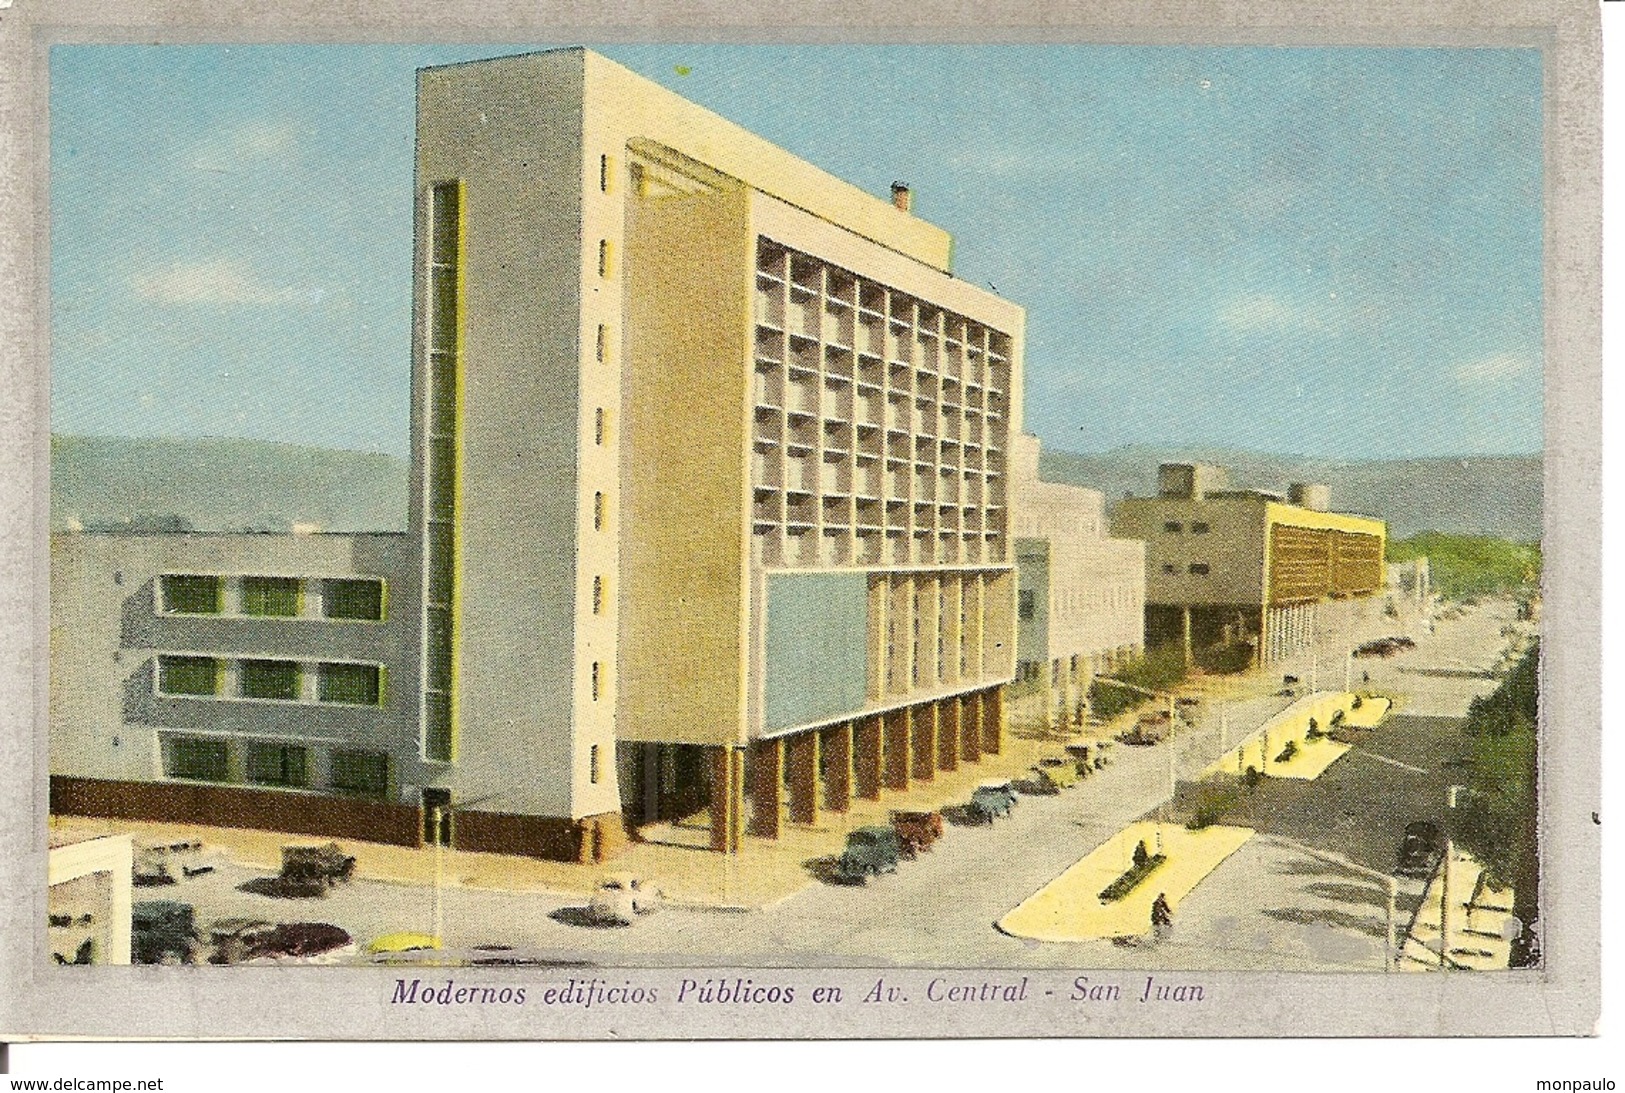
[1480, 934]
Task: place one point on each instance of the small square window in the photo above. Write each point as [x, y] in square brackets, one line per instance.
[1173, 527]
[1200, 528]
[1169, 567]
[1199, 569]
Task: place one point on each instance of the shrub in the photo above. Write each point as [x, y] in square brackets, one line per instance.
[1141, 854]
[1338, 718]
[1314, 732]
[1213, 801]
[1131, 878]
[1227, 658]
[1251, 779]
[1357, 703]
[1287, 752]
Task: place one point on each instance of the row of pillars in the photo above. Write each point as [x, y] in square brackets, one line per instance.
[859, 759]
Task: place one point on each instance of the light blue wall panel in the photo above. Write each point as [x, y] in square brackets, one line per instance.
[817, 647]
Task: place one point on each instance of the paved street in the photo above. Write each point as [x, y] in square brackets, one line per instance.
[1272, 904]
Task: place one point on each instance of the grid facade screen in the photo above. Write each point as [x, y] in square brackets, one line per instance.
[879, 426]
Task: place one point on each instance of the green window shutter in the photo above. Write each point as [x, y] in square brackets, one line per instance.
[356, 684]
[279, 679]
[365, 773]
[353, 599]
[277, 764]
[278, 597]
[188, 675]
[196, 759]
[191, 595]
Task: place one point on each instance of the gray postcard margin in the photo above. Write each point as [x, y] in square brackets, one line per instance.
[1562, 998]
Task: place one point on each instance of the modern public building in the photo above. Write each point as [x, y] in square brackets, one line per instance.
[709, 510]
[1080, 594]
[1226, 567]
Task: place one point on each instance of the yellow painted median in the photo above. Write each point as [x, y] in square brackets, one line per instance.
[1480, 937]
[1261, 749]
[1069, 907]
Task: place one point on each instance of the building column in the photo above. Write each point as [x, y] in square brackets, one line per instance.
[924, 741]
[948, 732]
[895, 749]
[837, 749]
[727, 798]
[1049, 693]
[1186, 613]
[992, 720]
[970, 727]
[766, 788]
[866, 754]
[802, 759]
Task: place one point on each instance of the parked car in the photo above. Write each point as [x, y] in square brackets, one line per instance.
[304, 943]
[1151, 728]
[162, 931]
[234, 940]
[620, 898]
[1384, 647]
[1053, 774]
[1421, 850]
[916, 830]
[315, 869]
[869, 852]
[991, 800]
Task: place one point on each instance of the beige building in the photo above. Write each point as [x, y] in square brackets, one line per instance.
[1226, 568]
[1080, 594]
[710, 468]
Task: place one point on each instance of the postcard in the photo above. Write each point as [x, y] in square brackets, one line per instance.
[558, 529]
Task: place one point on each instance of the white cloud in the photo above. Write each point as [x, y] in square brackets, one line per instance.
[216, 281]
[1499, 366]
[249, 144]
[1257, 313]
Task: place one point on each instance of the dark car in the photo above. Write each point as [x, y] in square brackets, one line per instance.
[235, 940]
[991, 800]
[869, 852]
[312, 870]
[162, 931]
[1421, 850]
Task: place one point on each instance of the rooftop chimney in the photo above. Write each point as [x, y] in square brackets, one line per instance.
[902, 196]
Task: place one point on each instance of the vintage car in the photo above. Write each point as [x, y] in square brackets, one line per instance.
[1151, 728]
[314, 869]
[304, 943]
[234, 940]
[916, 830]
[1421, 850]
[1053, 774]
[620, 898]
[869, 852]
[991, 800]
[162, 931]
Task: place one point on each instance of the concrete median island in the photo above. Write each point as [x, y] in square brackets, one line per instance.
[1069, 907]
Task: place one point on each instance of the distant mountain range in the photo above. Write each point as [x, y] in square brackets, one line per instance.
[227, 484]
[1471, 495]
[222, 484]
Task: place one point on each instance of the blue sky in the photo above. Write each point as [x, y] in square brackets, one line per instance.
[1329, 252]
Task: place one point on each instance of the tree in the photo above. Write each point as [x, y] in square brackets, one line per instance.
[1496, 820]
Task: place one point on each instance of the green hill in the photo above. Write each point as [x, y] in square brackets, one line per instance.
[222, 484]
